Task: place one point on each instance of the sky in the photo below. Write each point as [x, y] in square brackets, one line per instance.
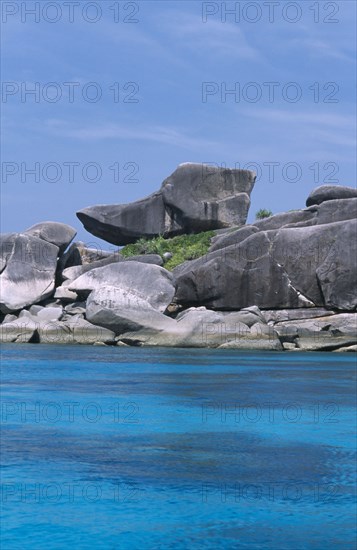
[123, 92]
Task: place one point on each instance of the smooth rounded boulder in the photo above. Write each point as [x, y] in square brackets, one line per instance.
[330, 192]
[59, 234]
[148, 282]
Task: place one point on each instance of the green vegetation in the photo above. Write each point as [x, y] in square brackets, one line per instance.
[182, 247]
[263, 213]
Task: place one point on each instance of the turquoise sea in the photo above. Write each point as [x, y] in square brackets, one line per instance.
[132, 448]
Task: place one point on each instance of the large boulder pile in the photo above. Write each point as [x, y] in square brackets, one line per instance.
[287, 282]
[304, 258]
[194, 198]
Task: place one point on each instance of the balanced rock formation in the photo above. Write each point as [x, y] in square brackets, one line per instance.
[194, 198]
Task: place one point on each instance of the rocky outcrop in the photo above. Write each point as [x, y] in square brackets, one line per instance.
[287, 282]
[290, 267]
[194, 198]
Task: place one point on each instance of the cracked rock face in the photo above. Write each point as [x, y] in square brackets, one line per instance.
[28, 267]
[291, 267]
[194, 198]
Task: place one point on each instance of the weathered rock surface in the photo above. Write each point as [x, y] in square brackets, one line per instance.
[204, 197]
[28, 270]
[148, 282]
[330, 192]
[194, 198]
[283, 219]
[327, 212]
[122, 309]
[59, 234]
[236, 237]
[284, 268]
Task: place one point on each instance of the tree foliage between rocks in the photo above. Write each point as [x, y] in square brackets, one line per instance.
[263, 213]
[182, 247]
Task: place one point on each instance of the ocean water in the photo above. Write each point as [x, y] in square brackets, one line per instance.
[128, 448]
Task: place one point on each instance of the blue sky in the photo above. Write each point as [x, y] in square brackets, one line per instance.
[165, 114]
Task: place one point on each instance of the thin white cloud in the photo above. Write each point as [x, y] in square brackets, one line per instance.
[318, 47]
[159, 134]
[343, 122]
[210, 38]
[314, 131]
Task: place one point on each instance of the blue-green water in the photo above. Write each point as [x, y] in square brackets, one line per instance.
[124, 448]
